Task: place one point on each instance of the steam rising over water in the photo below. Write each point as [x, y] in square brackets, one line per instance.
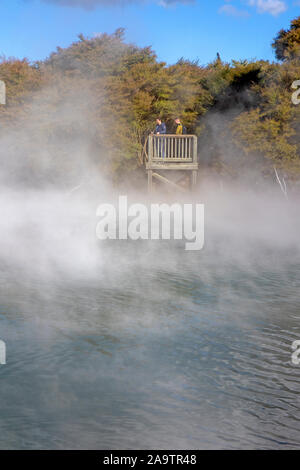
[140, 344]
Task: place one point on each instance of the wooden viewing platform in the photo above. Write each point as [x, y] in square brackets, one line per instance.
[171, 152]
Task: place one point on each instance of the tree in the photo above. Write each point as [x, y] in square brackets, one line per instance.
[94, 103]
[287, 42]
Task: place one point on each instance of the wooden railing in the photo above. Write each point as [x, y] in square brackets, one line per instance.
[172, 148]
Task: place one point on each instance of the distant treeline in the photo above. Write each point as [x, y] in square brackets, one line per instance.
[101, 96]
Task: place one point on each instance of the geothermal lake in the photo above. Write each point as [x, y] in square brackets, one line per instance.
[154, 348]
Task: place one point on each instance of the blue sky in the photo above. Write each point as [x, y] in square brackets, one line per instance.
[194, 29]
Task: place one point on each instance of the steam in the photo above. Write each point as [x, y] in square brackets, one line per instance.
[50, 194]
[140, 344]
[139, 329]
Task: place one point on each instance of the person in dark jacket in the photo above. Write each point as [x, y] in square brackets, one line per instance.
[160, 129]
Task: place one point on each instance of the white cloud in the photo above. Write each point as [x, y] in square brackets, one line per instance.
[90, 4]
[168, 2]
[274, 7]
[231, 10]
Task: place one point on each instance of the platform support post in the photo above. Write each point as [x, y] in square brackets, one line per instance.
[150, 181]
[193, 179]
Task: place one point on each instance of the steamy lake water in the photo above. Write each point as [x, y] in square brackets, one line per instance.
[155, 347]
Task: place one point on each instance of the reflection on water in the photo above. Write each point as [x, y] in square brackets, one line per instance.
[161, 348]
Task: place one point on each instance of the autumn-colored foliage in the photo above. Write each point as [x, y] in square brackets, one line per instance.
[98, 99]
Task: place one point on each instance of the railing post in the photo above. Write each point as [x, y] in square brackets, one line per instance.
[150, 148]
[172, 147]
